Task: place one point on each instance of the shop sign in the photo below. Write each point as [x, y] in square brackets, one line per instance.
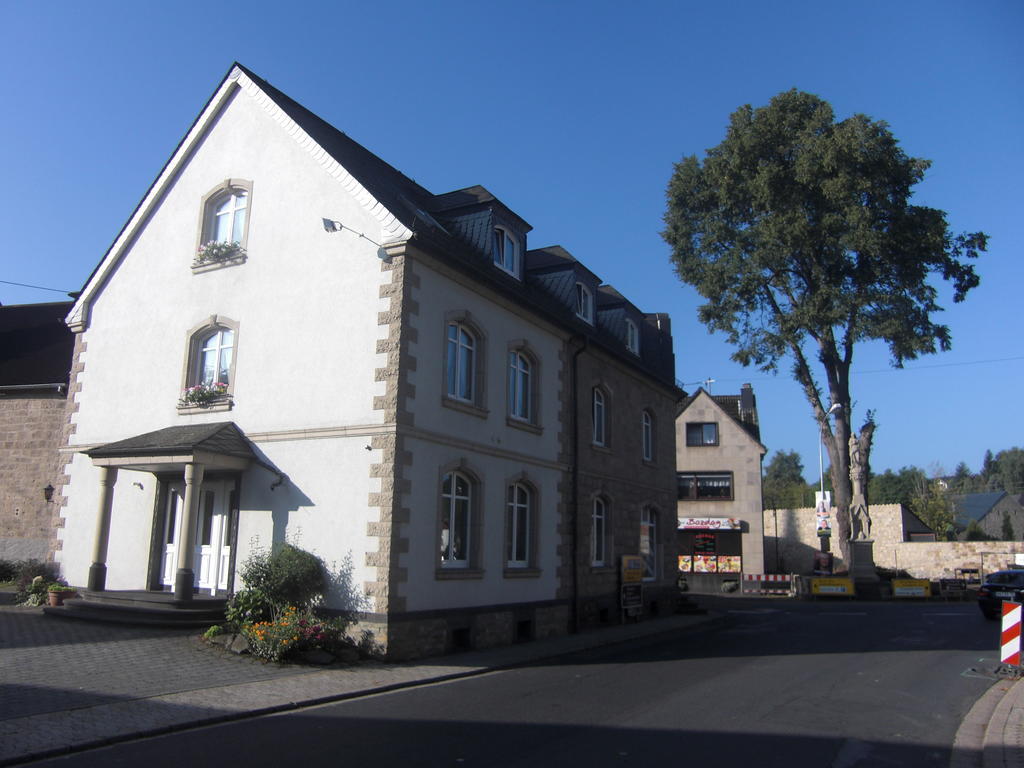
[632, 569]
[832, 586]
[711, 523]
[911, 588]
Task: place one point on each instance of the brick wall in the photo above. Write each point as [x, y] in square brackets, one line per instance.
[30, 434]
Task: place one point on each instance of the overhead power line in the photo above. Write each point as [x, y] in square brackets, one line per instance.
[37, 287]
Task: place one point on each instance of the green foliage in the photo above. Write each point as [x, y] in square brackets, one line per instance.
[33, 579]
[8, 571]
[248, 606]
[286, 576]
[784, 486]
[932, 505]
[975, 533]
[798, 233]
[291, 632]
[896, 487]
[1007, 532]
[213, 631]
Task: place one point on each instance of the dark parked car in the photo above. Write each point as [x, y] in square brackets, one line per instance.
[1000, 586]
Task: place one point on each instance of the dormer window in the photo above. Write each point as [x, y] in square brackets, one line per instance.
[632, 337]
[505, 251]
[584, 303]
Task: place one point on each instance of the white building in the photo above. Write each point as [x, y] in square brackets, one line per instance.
[354, 365]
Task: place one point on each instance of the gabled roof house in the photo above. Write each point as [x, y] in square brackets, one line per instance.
[290, 340]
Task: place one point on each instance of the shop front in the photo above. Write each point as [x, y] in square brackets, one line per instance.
[710, 553]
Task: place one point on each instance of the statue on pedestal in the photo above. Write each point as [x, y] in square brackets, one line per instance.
[860, 520]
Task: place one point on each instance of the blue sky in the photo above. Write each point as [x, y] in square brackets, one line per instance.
[573, 113]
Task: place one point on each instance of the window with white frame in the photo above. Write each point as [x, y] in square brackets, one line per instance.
[505, 250]
[224, 225]
[600, 433]
[647, 435]
[519, 509]
[632, 337]
[520, 386]
[227, 215]
[584, 303]
[649, 542]
[599, 533]
[456, 520]
[209, 368]
[215, 353]
[461, 363]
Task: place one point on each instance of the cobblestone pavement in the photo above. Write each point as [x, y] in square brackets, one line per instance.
[52, 665]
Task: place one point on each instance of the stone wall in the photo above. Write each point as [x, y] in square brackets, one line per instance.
[791, 537]
[939, 560]
[30, 435]
[791, 540]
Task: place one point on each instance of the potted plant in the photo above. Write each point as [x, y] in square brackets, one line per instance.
[58, 593]
[217, 250]
[202, 395]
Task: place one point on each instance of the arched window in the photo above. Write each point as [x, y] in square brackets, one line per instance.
[520, 386]
[210, 365]
[649, 542]
[519, 527]
[461, 363]
[599, 533]
[227, 216]
[598, 415]
[647, 435]
[213, 366]
[456, 519]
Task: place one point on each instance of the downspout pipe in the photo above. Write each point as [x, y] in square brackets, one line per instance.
[574, 489]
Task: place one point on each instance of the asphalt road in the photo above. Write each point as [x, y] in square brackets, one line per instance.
[832, 685]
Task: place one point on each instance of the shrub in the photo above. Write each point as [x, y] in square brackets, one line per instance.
[34, 576]
[248, 607]
[8, 571]
[287, 576]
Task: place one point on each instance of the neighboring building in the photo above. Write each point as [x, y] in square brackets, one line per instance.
[718, 466]
[291, 340]
[989, 510]
[35, 358]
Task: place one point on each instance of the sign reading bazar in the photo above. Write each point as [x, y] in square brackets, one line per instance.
[711, 523]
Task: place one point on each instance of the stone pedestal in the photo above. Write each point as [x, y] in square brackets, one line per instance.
[862, 568]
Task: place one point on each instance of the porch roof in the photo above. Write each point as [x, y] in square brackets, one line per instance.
[220, 445]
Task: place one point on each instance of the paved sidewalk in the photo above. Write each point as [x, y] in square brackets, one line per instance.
[71, 684]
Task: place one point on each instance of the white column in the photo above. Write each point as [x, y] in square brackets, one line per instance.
[184, 579]
[98, 569]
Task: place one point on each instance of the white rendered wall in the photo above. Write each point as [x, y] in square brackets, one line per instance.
[492, 449]
[307, 305]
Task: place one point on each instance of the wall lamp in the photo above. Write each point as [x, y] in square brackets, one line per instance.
[48, 492]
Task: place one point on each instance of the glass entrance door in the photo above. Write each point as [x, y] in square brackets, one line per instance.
[212, 555]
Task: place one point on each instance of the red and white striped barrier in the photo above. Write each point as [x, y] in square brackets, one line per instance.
[1009, 640]
[767, 583]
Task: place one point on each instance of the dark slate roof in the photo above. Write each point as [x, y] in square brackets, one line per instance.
[974, 506]
[731, 405]
[36, 346]
[224, 438]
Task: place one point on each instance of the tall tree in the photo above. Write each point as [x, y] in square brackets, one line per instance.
[784, 486]
[798, 232]
[895, 487]
[1009, 475]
